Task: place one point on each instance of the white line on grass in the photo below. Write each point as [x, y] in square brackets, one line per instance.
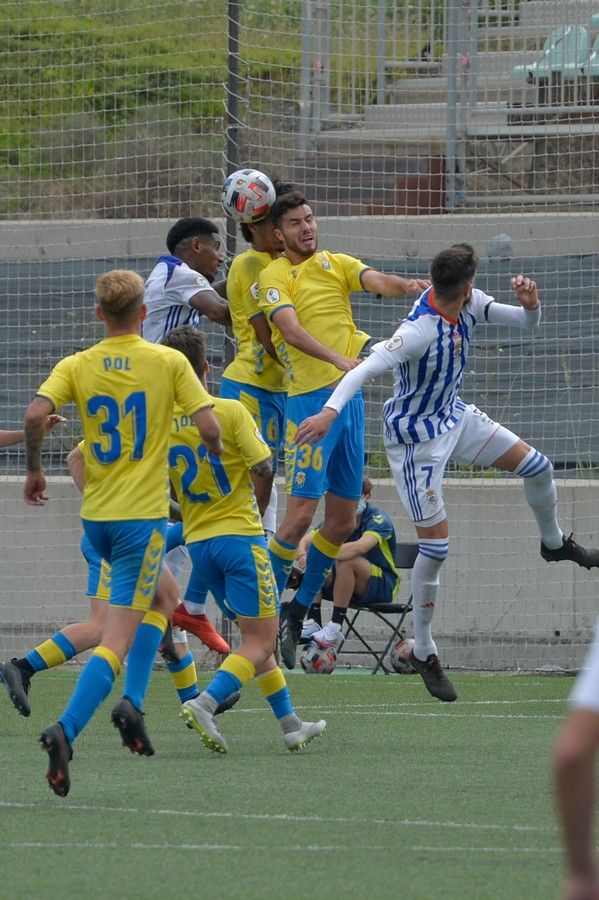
[391, 704]
[285, 817]
[396, 711]
[269, 848]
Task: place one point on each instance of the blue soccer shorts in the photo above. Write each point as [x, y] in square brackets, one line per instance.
[236, 570]
[334, 464]
[98, 572]
[134, 549]
[267, 409]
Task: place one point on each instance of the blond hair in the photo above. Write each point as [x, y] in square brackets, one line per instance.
[120, 293]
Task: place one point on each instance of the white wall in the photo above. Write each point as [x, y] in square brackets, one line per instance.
[500, 604]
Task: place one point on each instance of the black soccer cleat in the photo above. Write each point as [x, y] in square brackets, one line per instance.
[290, 632]
[435, 680]
[130, 722]
[17, 681]
[228, 703]
[572, 551]
[167, 646]
[60, 753]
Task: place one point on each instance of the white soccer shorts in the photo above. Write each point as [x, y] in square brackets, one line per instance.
[418, 469]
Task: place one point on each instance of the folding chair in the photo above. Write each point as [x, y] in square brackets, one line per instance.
[405, 557]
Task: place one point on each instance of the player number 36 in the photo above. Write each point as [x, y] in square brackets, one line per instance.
[309, 457]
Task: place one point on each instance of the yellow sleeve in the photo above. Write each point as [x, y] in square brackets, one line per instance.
[244, 289]
[190, 395]
[352, 270]
[250, 442]
[273, 290]
[58, 386]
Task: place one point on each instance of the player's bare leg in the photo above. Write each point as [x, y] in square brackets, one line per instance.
[339, 522]
[351, 579]
[16, 674]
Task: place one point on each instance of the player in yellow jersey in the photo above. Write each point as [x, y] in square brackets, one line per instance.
[76, 637]
[256, 377]
[125, 390]
[224, 535]
[305, 295]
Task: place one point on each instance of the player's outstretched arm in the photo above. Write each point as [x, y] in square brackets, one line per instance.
[207, 424]
[392, 285]
[314, 428]
[35, 428]
[9, 438]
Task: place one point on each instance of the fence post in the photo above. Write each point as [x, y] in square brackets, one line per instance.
[381, 50]
[305, 101]
[232, 144]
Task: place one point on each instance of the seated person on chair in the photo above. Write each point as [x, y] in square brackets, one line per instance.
[364, 572]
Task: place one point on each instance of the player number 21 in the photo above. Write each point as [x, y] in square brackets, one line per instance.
[113, 415]
[190, 473]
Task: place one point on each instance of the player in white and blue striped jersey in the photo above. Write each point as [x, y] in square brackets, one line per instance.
[178, 290]
[426, 424]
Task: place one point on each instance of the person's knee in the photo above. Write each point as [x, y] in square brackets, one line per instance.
[297, 519]
[574, 749]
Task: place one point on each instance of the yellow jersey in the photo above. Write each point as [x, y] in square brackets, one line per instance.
[125, 390]
[318, 289]
[216, 494]
[252, 364]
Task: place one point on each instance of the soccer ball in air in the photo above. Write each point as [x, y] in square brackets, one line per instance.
[247, 195]
[399, 656]
[316, 660]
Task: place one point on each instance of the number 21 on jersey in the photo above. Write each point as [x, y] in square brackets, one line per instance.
[199, 469]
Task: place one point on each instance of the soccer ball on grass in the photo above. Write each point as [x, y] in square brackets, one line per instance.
[399, 656]
[247, 195]
[316, 660]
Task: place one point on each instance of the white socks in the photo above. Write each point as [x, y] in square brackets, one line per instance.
[541, 495]
[425, 587]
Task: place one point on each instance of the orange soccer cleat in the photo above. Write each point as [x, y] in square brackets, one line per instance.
[202, 627]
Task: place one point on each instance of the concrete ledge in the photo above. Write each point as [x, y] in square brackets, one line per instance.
[373, 237]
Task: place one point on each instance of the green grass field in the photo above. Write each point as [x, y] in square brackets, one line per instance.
[403, 796]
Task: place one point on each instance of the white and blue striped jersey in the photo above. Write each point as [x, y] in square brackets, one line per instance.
[427, 354]
[430, 353]
[169, 287]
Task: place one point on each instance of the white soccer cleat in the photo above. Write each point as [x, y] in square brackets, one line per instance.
[309, 628]
[297, 740]
[196, 716]
[329, 637]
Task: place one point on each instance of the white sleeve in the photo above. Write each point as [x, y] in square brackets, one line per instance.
[408, 342]
[185, 284]
[353, 381]
[517, 316]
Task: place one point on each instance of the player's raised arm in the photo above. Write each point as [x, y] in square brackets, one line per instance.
[526, 291]
[35, 428]
[392, 285]
[527, 316]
